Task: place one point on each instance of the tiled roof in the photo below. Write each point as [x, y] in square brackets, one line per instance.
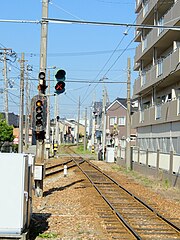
[13, 119]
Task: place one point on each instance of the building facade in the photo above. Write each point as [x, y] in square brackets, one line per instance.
[157, 88]
[116, 123]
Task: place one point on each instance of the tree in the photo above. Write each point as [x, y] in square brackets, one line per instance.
[6, 131]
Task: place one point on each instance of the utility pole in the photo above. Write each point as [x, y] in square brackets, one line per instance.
[78, 122]
[56, 121]
[85, 127]
[28, 68]
[104, 123]
[128, 117]
[39, 162]
[48, 118]
[5, 83]
[6, 51]
[93, 123]
[21, 105]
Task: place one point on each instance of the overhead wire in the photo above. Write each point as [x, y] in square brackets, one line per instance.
[116, 59]
[85, 96]
[104, 64]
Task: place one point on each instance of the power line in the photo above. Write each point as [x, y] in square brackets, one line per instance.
[118, 2]
[71, 54]
[114, 24]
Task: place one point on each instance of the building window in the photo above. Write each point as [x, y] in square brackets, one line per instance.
[141, 116]
[143, 78]
[159, 67]
[112, 121]
[144, 44]
[178, 105]
[158, 111]
[160, 23]
[122, 121]
[145, 9]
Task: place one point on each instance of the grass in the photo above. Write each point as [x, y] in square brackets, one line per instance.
[146, 181]
[48, 235]
[80, 150]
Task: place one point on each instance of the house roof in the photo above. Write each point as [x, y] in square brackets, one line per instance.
[12, 118]
[122, 102]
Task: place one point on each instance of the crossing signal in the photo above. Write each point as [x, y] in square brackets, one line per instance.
[60, 85]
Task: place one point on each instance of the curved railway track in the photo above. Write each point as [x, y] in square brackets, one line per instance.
[125, 215]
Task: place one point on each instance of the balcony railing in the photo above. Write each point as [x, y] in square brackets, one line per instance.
[138, 5]
[162, 113]
[157, 72]
[156, 35]
[145, 11]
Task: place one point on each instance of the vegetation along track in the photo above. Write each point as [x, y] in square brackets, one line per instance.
[125, 215]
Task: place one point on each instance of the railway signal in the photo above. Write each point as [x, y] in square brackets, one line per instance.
[60, 85]
[42, 86]
[39, 113]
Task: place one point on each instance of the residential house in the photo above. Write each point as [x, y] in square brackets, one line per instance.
[95, 131]
[66, 130]
[13, 119]
[157, 87]
[116, 123]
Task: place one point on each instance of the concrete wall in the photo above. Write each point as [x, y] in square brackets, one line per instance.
[160, 165]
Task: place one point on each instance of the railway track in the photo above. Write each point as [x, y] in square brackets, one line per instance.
[125, 215]
[59, 167]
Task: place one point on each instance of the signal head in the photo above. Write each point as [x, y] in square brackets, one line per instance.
[60, 75]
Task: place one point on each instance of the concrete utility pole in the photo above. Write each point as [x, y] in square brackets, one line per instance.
[128, 117]
[28, 68]
[56, 121]
[21, 105]
[39, 162]
[93, 123]
[85, 127]
[104, 122]
[77, 139]
[5, 82]
[48, 118]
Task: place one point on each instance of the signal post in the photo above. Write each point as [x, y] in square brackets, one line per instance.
[41, 99]
[39, 104]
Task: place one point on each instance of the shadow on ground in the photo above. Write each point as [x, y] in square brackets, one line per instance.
[39, 224]
[55, 189]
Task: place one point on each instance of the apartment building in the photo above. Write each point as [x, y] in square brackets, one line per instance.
[157, 88]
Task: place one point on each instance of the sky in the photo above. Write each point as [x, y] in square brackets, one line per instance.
[87, 53]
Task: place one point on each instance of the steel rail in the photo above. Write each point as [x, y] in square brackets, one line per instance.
[61, 169]
[138, 199]
[113, 208]
[58, 165]
[158, 215]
